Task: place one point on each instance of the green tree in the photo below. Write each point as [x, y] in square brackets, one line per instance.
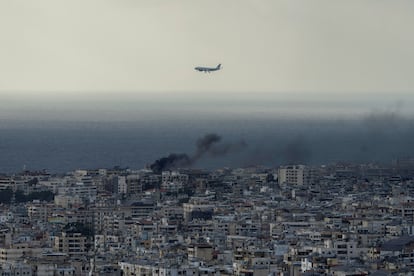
[78, 227]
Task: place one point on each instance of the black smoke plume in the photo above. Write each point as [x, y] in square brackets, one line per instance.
[224, 148]
[205, 144]
[171, 161]
[209, 144]
[297, 151]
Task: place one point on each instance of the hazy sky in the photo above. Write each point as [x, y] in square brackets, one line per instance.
[78, 50]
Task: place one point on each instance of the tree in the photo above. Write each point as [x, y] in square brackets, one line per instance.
[78, 227]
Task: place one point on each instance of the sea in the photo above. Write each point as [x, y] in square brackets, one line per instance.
[63, 146]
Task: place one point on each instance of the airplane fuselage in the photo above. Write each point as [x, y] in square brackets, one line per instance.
[207, 69]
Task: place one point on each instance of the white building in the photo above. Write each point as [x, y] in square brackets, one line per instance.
[83, 190]
[293, 175]
[122, 185]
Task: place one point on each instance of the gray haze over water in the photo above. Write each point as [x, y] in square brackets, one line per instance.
[60, 146]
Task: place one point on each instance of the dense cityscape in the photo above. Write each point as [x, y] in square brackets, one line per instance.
[339, 219]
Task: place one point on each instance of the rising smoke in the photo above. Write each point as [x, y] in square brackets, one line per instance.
[205, 144]
[209, 144]
[297, 151]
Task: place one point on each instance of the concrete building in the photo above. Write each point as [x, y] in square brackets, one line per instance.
[74, 244]
[293, 175]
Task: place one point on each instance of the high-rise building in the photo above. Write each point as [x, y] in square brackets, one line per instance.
[73, 244]
[293, 175]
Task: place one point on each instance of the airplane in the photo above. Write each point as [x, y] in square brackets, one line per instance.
[208, 69]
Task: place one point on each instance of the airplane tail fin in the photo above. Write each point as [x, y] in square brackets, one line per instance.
[218, 66]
